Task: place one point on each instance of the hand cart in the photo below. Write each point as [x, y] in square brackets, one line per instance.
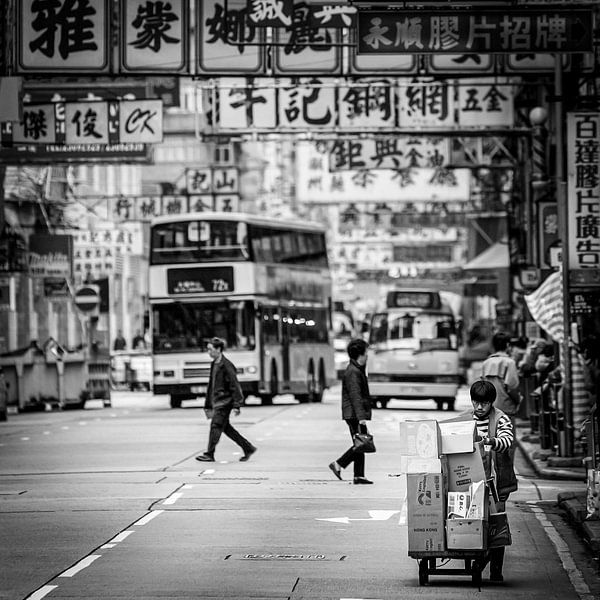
[475, 562]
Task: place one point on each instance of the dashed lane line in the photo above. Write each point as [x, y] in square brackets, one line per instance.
[121, 536]
[41, 593]
[82, 564]
[147, 518]
[172, 498]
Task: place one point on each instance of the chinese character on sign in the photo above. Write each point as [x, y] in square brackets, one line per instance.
[376, 97]
[199, 181]
[303, 34]
[300, 100]
[425, 102]
[85, 124]
[246, 98]
[232, 27]
[334, 16]
[34, 124]
[152, 22]
[70, 20]
[346, 154]
[272, 13]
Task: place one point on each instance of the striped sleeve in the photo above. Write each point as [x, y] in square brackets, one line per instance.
[504, 434]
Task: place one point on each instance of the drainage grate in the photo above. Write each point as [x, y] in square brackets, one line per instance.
[286, 557]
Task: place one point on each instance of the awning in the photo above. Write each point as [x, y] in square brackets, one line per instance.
[493, 258]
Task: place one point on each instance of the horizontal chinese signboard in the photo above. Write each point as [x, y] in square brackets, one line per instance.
[361, 104]
[537, 30]
[398, 152]
[583, 149]
[212, 180]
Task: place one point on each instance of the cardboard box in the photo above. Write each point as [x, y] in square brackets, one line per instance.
[458, 505]
[425, 500]
[420, 438]
[457, 436]
[416, 464]
[466, 534]
[465, 469]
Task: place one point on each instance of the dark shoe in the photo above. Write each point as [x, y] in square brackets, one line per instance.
[248, 454]
[497, 577]
[336, 470]
[205, 458]
[361, 481]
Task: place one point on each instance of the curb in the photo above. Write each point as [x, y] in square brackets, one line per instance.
[544, 472]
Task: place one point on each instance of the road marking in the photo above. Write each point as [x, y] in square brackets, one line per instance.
[24, 439]
[65, 427]
[188, 486]
[82, 564]
[120, 537]
[173, 498]
[208, 471]
[374, 515]
[562, 549]
[41, 593]
[147, 518]
[107, 546]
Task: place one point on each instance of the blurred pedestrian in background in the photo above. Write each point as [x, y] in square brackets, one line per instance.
[224, 395]
[356, 408]
[119, 343]
[138, 342]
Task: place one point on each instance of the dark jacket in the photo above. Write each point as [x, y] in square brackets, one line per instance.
[356, 400]
[226, 391]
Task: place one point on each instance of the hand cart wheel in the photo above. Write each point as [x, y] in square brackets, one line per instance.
[423, 572]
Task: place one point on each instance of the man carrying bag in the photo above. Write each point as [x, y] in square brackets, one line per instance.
[356, 410]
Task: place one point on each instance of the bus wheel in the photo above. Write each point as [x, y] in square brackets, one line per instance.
[267, 399]
[439, 402]
[316, 387]
[175, 401]
[450, 404]
[384, 402]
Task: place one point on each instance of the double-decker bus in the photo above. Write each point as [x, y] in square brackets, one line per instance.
[263, 285]
[414, 349]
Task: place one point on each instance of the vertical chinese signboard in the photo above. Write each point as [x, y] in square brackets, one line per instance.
[583, 160]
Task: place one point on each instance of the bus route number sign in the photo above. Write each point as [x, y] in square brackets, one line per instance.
[207, 280]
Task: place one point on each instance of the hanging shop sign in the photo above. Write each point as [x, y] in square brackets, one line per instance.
[50, 255]
[63, 36]
[284, 13]
[583, 192]
[544, 30]
[212, 180]
[397, 152]
[306, 104]
[316, 184]
[154, 36]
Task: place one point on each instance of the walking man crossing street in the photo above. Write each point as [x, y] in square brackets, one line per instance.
[224, 394]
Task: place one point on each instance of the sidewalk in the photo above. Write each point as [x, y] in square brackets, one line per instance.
[548, 466]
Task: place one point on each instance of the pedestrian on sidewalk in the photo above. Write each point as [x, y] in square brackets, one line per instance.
[224, 395]
[356, 408]
[501, 370]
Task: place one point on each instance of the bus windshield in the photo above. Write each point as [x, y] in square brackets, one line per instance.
[416, 330]
[188, 326]
[199, 241]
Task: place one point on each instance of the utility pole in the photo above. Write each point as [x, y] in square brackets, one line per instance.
[567, 448]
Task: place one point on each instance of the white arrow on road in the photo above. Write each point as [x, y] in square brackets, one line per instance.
[375, 515]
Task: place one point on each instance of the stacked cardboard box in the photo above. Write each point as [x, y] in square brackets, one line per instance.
[420, 450]
[466, 524]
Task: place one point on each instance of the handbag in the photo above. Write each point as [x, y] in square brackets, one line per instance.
[363, 442]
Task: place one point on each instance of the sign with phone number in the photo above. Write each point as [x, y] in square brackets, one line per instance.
[208, 280]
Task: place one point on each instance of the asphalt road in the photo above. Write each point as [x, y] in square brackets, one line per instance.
[110, 503]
